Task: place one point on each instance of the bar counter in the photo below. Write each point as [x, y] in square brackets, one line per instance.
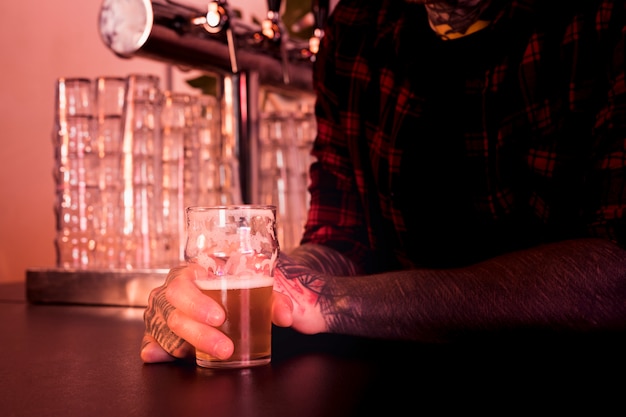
[80, 360]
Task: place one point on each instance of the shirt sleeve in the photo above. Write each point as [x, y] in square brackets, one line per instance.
[336, 218]
[609, 174]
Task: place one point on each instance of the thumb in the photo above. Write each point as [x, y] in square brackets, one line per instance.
[282, 310]
[152, 352]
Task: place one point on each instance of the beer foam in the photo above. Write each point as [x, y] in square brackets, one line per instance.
[253, 212]
[233, 282]
[237, 211]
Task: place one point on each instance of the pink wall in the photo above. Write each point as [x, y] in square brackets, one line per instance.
[39, 42]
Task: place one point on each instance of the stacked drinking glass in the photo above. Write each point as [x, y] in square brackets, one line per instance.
[129, 158]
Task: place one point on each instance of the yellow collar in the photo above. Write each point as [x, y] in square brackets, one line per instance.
[444, 31]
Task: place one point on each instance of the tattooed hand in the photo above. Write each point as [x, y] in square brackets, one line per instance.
[179, 318]
[300, 287]
[303, 276]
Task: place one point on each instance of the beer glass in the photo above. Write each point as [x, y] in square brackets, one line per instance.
[76, 174]
[238, 249]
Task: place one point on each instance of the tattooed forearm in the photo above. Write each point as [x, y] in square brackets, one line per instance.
[323, 259]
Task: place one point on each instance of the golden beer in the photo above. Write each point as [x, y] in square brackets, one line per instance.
[247, 302]
[238, 248]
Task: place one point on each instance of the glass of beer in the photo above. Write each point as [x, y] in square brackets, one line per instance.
[238, 248]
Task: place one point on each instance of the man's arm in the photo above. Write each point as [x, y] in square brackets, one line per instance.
[575, 285]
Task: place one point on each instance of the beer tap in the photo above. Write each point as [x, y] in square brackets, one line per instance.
[216, 17]
[273, 30]
[270, 27]
[216, 20]
[320, 14]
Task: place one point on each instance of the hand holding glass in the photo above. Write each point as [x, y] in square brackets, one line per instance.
[238, 248]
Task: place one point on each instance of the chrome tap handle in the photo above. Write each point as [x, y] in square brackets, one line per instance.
[217, 20]
[232, 50]
[271, 27]
[273, 30]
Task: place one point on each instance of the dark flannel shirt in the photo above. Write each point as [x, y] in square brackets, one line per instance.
[434, 153]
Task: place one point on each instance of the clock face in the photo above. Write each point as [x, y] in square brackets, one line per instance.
[125, 24]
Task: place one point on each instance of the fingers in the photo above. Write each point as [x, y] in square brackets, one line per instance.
[185, 296]
[177, 315]
[158, 336]
[196, 316]
[180, 319]
[204, 337]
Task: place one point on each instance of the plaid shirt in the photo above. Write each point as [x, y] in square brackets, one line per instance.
[441, 153]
